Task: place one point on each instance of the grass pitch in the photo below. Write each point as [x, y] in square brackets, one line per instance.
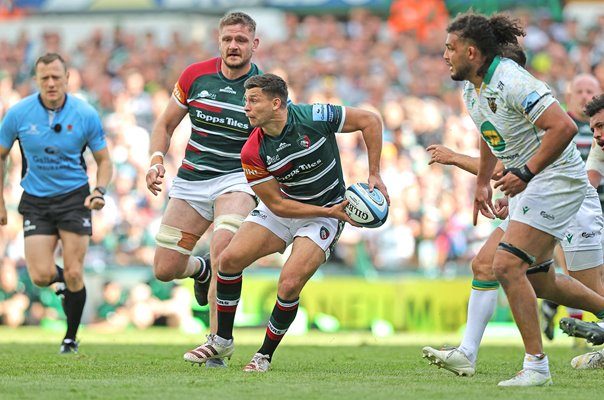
[149, 365]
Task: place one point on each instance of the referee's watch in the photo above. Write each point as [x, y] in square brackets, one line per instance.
[101, 189]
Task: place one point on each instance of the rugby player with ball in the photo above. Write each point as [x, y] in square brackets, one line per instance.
[291, 161]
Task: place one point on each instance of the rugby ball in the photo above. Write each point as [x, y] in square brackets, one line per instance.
[368, 209]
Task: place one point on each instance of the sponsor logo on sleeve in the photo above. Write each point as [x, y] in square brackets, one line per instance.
[178, 93]
[530, 101]
[251, 171]
[323, 112]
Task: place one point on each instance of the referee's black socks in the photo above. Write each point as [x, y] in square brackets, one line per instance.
[73, 305]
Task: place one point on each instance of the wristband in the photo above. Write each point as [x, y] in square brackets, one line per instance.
[97, 198]
[158, 154]
[101, 189]
[523, 173]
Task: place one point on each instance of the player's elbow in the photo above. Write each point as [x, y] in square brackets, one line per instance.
[568, 128]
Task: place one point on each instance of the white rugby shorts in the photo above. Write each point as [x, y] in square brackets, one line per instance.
[201, 195]
[325, 232]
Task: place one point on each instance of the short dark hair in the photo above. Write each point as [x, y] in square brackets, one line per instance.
[488, 34]
[270, 84]
[238, 18]
[514, 52]
[48, 58]
[595, 105]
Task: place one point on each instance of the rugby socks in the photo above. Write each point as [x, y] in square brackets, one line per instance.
[59, 275]
[73, 305]
[550, 307]
[282, 317]
[228, 292]
[203, 273]
[575, 313]
[483, 300]
[537, 363]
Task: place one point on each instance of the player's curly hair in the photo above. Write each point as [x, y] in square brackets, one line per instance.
[488, 34]
[594, 106]
[514, 52]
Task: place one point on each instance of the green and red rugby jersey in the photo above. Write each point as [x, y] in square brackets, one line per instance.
[219, 127]
[304, 158]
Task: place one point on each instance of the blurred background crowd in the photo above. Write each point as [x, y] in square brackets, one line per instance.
[359, 59]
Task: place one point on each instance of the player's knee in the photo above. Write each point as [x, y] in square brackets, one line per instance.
[172, 238]
[482, 269]
[509, 262]
[165, 269]
[163, 274]
[290, 288]
[73, 277]
[229, 222]
[230, 262]
[42, 279]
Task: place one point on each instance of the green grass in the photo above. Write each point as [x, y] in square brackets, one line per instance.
[149, 365]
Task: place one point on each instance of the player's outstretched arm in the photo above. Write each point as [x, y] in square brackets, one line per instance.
[441, 154]
[370, 125]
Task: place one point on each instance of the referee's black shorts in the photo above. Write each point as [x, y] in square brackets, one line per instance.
[48, 215]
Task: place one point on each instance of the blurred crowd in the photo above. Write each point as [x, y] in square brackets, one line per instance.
[357, 61]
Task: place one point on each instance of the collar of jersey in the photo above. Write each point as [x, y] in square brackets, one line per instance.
[56, 110]
[252, 71]
[491, 70]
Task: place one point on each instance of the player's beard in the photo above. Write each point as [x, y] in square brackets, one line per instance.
[462, 73]
[237, 65]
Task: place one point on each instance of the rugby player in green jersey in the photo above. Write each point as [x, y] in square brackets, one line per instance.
[292, 162]
[210, 186]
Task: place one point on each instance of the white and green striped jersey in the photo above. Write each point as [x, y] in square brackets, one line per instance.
[505, 109]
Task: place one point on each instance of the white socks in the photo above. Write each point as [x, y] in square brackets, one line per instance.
[536, 363]
[480, 310]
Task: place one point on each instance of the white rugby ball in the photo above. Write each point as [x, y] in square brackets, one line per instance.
[368, 209]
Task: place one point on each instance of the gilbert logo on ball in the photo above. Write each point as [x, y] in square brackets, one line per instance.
[368, 209]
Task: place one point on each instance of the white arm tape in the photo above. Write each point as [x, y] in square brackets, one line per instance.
[157, 153]
[154, 168]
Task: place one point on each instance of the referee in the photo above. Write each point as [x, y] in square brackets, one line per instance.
[53, 130]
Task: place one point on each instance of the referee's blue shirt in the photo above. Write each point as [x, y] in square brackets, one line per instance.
[52, 143]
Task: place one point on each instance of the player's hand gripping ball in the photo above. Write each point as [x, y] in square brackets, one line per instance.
[368, 209]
